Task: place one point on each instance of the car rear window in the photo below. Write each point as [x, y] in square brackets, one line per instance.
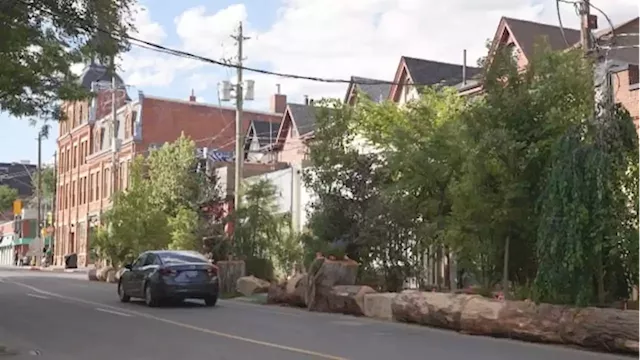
[181, 258]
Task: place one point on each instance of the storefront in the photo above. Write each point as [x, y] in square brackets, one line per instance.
[6, 249]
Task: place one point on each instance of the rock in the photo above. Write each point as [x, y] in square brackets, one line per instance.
[119, 273]
[101, 274]
[290, 292]
[346, 299]
[323, 276]
[110, 276]
[92, 275]
[609, 330]
[249, 285]
[378, 305]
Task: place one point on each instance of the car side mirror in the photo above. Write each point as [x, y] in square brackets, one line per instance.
[128, 266]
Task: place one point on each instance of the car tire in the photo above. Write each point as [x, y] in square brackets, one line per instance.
[121, 294]
[211, 301]
[150, 299]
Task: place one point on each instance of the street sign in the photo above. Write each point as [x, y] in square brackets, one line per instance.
[17, 207]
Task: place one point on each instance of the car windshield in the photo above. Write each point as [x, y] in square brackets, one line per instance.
[181, 258]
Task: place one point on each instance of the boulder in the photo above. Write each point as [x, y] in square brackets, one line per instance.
[101, 274]
[610, 330]
[119, 273]
[323, 275]
[347, 299]
[110, 276]
[92, 274]
[249, 285]
[378, 305]
[290, 292]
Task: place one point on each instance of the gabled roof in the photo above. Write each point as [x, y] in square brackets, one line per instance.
[265, 131]
[528, 33]
[95, 72]
[626, 37]
[375, 90]
[429, 72]
[303, 116]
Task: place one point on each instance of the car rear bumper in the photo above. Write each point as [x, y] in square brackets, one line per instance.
[188, 291]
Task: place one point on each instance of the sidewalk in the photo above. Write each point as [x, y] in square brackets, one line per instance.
[42, 268]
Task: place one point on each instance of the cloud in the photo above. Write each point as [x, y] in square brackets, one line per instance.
[337, 38]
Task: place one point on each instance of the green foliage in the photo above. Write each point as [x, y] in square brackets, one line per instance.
[7, 197]
[168, 204]
[517, 184]
[43, 39]
[48, 182]
[260, 268]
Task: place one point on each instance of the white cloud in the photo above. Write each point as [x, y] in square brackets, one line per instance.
[337, 38]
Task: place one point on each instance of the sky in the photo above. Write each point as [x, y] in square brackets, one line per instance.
[319, 38]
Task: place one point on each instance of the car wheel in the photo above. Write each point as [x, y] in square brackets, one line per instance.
[149, 298]
[211, 301]
[121, 294]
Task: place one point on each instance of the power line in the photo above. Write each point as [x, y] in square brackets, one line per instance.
[184, 54]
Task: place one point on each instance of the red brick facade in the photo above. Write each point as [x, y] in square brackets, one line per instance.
[85, 182]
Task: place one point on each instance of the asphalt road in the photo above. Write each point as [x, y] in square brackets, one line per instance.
[63, 317]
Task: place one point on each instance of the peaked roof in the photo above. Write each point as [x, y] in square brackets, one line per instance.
[95, 72]
[429, 72]
[304, 117]
[528, 33]
[626, 37]
[375, 90]
[265, 131]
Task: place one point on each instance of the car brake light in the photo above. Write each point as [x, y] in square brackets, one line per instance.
[213, 270]
[167, 272]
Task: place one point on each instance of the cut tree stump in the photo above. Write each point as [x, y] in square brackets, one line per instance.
[228, 274]
[610, 330]
[323, 275]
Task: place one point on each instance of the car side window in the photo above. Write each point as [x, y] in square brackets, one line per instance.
[139, 261]
[150, 260]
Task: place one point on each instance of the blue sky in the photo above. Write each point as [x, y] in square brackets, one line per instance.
[323, 38]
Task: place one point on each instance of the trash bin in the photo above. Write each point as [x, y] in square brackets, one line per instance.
[71, 261]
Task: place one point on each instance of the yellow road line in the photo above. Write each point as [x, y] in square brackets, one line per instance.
[186, 326]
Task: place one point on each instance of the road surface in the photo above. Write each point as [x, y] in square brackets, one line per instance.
[64, 317]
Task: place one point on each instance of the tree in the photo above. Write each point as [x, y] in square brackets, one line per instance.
[48, 182]
[43, 39]
[7, 197]
[135, 223]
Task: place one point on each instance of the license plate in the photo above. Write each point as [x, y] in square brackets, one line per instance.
[191, 274]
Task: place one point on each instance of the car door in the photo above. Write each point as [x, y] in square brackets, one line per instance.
[135, 276]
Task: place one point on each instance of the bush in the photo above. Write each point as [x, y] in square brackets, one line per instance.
[260, 268]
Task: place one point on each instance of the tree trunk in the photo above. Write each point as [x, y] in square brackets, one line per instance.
[348, 299]
[228, 274]
[323, 275]
[610, 330]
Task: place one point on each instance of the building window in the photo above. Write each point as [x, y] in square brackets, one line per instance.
[98, 180]
[75, 156]
[73, 193]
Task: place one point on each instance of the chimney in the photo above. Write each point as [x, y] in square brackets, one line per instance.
[306, 99]
[311, 102]
[192, 97]
[278, 101]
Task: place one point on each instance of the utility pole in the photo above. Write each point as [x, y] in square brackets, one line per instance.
[54, 208]
[239, 37]
[39, 201]
[585, 26]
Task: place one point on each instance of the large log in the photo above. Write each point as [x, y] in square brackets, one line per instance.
[228, 274]
[323, 275]
[602, 329]
[290, 292]
[348, 299]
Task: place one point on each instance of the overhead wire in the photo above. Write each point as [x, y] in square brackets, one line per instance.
[180, 53]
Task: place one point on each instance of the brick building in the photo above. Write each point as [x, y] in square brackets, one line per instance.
[85, 183]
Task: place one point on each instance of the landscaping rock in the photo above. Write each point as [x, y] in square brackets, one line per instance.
[290, 292]
[102, 273]
[378, 305]
[249, 285]
[346, 299]
[609, 330]
[323, 275]
[110, 276]
[92, 275]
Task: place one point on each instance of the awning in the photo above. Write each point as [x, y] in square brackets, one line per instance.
[22, 241]
[6, 241]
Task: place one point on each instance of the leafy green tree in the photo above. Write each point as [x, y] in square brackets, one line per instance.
[7, 197]
[135, 223]
[48, 182]
[43, 39]
[184, 226]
